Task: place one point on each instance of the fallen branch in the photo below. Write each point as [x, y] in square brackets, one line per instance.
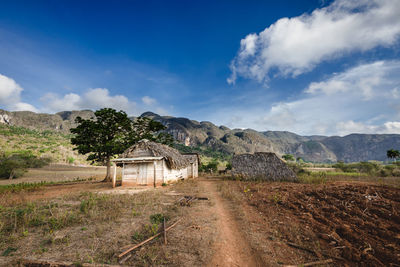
[147, 240]
[311, 263]
[318, 254]
[186, 200]
[302, 248]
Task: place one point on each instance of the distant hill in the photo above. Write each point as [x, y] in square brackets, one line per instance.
[61, 121]
[191, 133]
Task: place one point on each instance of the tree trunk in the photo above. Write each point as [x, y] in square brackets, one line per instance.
[108, 174]
[11, 175]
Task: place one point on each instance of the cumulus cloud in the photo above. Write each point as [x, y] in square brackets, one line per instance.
[92, 99]
[362, 99]
[359, 127]
[357, 100]
[10, 95]
[148, 101]
[21, 106]
[292, 46]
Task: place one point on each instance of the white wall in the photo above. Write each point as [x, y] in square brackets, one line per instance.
[135, 173]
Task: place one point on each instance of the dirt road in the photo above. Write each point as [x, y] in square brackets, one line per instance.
[231, 247]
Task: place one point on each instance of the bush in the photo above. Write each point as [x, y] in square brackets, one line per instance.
[70, 160]
[297, 168]
[15, 164]
[371, 168]
[210, 167]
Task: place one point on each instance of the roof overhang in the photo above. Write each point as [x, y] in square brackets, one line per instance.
[137, 160]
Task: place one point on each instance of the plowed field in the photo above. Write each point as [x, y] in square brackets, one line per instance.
[354, 224]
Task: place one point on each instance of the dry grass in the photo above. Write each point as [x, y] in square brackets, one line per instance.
[94, 228]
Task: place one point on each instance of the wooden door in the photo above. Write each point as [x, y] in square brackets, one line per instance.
[142, 175]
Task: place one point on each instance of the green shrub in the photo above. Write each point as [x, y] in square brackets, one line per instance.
[210, 167]
[371, 168]
[15, 164]
[314, 178]
[70, 160]
[158, 218]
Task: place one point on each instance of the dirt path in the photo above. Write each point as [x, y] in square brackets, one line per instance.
[231, 247]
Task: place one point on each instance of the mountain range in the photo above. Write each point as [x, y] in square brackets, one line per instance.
[191, 133]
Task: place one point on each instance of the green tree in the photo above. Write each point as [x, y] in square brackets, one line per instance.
[212, 166]
[229, 166]
[110, 133]
[393, 154]
[145, 128]
[288, 157]
[15, 165]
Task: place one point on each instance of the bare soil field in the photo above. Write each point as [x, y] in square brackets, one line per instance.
[353, 224]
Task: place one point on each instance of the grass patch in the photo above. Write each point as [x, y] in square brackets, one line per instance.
[15, 188]
[349, 174]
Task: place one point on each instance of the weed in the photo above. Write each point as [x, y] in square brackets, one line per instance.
[276, 198]
[314, 178]
[158, 218]
[8, 251]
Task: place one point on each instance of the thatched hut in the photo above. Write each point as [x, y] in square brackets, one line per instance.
[262, 165]
[150, 163]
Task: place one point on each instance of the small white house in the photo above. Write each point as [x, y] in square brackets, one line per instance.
[150, 163]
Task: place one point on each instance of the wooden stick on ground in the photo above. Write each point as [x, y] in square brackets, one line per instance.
[147, 240]
[165, 233]
[311, 263]
[318, 254]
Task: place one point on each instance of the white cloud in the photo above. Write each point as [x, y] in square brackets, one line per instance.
[295, 45]
[54, 103]
[347, 127]
[148, 101]
[9, 90]
[21, 106]
[361, 79]
[92, 99]
[360, 99]
[10, 95]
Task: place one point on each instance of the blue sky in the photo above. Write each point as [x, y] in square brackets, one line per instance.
[311, 67]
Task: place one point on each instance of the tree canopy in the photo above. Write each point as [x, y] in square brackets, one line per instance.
[288, 157]
[111, 132]
[393, 154]
[15, 164]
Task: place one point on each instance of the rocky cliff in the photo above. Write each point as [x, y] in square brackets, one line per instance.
[354, 147]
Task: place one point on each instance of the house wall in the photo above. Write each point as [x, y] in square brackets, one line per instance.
[193, 170]
[171, 175]
[143, 173]
[196, 169]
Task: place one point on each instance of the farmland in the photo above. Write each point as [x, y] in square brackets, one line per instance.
[342, 220]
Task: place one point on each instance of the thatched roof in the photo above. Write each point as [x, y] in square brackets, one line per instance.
[262, 165]
[172, 156]
[192, 157]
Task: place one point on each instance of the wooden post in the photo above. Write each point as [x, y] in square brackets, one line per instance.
[123, 173]
[155, 171]
[114, 180]
[163, 173]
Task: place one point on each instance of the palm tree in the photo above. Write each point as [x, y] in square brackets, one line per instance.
[393, 154]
